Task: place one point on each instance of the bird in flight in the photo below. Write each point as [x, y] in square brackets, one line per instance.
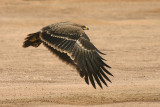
[70, 43]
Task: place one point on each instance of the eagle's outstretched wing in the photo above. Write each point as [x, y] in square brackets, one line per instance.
[71, 44]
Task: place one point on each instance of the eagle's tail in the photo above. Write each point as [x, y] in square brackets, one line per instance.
[32, 40]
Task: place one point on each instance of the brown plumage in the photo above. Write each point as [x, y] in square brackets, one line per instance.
[70, 43]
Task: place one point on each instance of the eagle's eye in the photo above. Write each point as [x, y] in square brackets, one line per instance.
[85, 28]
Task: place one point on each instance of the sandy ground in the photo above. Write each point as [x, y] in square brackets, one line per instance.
[128, 32]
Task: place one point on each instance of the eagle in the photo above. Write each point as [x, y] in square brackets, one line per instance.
[69, 42]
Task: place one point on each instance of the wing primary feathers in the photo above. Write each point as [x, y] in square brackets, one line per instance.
[97, 65]
[97, 55]
[90, 70]
[105, 76]
[101, 66]
[100, 61]
[86, 79]
[100, 51]
[80, 72]
[101, 78]
[92, 81]
[96, 70]
[97, 80]
[106, 71]
[82, 63]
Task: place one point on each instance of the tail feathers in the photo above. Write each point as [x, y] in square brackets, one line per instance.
[32, 40]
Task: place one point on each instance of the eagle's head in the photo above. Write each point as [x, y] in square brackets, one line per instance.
[78, 25]
[84, 27]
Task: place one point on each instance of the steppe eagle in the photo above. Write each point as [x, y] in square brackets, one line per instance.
[70, 43]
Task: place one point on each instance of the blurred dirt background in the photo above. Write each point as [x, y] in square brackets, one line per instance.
[128, 31]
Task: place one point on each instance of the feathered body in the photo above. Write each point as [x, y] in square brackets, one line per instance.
[70, 43]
